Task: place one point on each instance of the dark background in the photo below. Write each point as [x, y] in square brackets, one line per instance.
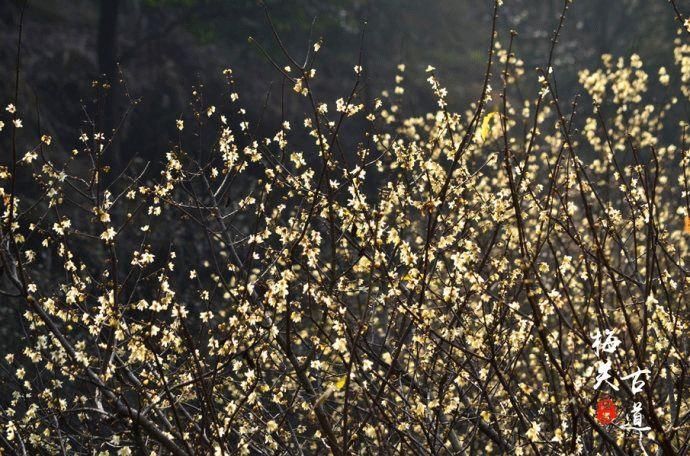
[165, 47]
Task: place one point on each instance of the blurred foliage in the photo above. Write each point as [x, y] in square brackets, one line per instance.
[167, 46]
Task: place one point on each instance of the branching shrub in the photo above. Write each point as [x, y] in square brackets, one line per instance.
[487, 281]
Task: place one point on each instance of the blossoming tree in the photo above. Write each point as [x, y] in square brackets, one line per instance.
[448, 283]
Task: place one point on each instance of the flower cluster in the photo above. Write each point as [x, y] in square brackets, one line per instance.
[428, 284]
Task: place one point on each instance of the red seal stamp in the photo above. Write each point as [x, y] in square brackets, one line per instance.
[606, 410]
